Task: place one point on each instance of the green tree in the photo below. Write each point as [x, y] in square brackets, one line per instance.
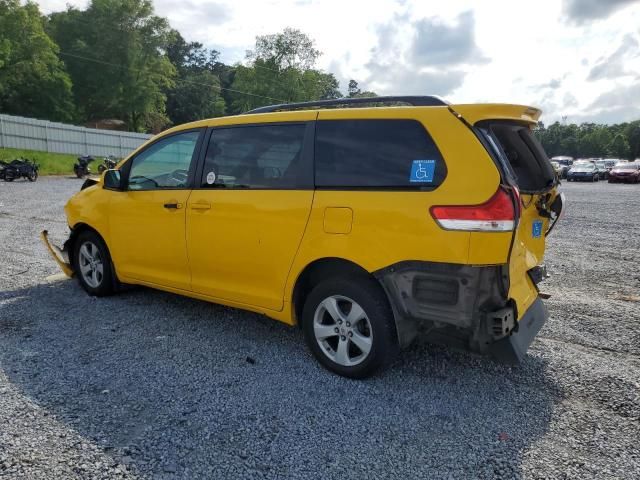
[618, 147]
[281, 71]
[196, 93]
[119, 70]
[33, 81]
[289, 49]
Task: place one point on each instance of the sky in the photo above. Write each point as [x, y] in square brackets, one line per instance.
[578, 59]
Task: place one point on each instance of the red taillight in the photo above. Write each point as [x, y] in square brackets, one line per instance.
[495, 215]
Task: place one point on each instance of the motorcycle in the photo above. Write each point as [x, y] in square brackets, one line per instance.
[19, 168]
[81, 167]
[108, 163]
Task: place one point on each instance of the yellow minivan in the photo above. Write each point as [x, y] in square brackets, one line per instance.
[363, 223]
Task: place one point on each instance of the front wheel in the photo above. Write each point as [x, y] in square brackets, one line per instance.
[33, 176]
[349, 327]
[92, 264]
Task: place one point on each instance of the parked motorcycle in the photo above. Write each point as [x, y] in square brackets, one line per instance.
[19, 168]
[81, 167]
[108, 163]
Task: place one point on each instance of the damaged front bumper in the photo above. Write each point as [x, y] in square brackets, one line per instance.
[463, 306]
[61, 256]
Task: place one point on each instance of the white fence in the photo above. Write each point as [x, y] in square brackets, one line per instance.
[30, 134]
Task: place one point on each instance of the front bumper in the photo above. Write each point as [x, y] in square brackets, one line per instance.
[582, 176]
[61, 256]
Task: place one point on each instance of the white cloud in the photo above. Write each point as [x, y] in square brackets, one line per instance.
[562, 55]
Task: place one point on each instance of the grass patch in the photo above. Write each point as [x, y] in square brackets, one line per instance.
[50, 163]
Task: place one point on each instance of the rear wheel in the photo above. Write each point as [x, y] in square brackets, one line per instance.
[349, 327]
[92, 264]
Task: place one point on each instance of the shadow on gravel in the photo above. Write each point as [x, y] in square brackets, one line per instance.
[163, 383]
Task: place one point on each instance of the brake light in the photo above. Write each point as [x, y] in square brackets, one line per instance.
[495, 215]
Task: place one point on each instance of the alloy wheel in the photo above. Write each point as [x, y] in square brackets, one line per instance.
[343, 330]
[91, 264]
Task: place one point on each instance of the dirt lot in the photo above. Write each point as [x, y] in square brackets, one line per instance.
[151, 385]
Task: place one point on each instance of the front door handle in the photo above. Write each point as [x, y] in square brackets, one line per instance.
[172, 206]
[201, 206]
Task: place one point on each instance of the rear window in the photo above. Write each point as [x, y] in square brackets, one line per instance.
[527, 160]
[376, 154]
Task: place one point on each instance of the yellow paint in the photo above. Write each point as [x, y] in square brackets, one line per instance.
[246, 248]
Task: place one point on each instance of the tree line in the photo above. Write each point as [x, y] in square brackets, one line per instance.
[591, 140]
[116, 59]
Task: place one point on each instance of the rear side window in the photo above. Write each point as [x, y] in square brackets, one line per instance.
[376, 154]
[257, 156]
[528, 161]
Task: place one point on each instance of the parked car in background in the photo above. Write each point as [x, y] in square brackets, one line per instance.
[275, 210]
[585, 172]
[565, 164]
[611, 162]
[602, 169]
[627, 172]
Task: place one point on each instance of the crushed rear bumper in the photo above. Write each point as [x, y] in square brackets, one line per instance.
[463, 306]
[61, 256]
[513, 348]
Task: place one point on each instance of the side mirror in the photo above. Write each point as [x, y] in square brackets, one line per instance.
[112, 180]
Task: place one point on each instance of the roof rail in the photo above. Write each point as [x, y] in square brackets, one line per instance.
[415, 101]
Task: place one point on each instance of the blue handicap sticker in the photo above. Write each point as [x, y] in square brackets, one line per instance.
[536, 230]
[422, 171]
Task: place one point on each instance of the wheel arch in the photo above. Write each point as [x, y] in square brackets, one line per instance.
[318, 270]
[76, 230]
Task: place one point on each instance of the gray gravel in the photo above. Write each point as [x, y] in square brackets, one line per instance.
[152, 385]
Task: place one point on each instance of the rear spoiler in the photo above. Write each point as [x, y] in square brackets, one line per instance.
[474, 113]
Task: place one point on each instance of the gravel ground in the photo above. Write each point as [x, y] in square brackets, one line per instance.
[151, 385]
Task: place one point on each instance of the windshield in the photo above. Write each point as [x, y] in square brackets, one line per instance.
[584, 168]
[627, 166]
[601, 165]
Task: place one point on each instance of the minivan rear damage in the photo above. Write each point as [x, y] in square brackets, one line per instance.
[463, 306]
[493, 309]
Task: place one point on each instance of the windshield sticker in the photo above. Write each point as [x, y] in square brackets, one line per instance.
[211, 178]
[536, 229]
[422, 171]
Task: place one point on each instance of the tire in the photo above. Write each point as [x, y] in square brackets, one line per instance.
[92, 264]
[33, 176]
[374, 327]
[101, 168]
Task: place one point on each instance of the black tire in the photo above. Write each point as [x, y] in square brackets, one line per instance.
[33, 176]
[379, 324]
[104, 281]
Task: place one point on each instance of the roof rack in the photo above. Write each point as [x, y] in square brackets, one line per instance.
[415, 101]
